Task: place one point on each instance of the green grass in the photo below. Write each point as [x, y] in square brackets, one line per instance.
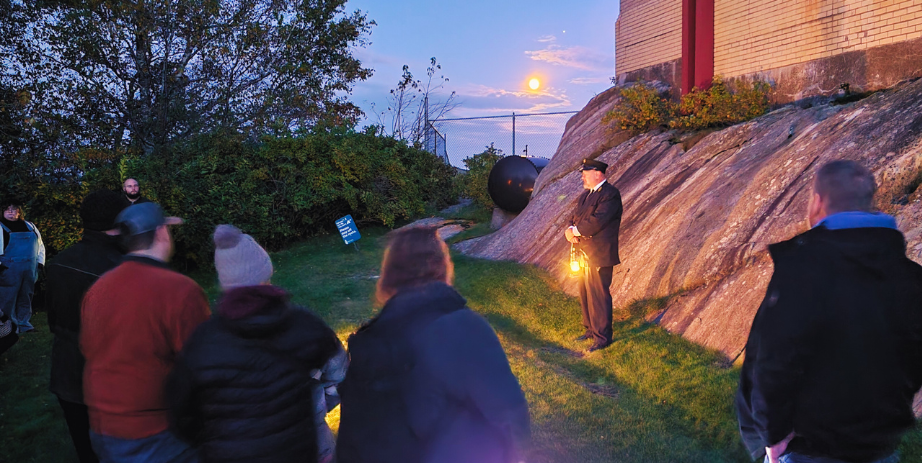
[650, 397]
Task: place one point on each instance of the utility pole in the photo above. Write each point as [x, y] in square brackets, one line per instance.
[513, 133]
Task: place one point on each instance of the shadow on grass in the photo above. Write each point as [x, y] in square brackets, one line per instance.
[32, 427]
[648, 427]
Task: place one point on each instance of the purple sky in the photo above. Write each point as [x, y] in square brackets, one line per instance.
[490, 49]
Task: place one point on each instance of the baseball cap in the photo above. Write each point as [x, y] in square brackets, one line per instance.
[142, 218]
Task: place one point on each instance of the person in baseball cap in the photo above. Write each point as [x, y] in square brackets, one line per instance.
[139, 227]
[134, 321]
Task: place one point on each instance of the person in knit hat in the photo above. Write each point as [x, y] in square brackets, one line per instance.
[255, 382]
[239, 260]
[68, 277]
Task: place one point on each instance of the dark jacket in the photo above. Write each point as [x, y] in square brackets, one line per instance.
[242, 388]
[429, 382]
[598, 219]
[127, 202]
[69, 275]
[835, 350]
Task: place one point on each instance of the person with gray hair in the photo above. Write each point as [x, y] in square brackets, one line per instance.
[834, 355]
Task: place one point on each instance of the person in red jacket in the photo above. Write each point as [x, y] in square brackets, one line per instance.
[134, 322]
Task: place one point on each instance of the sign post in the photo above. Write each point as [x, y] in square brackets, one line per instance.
[348, 230]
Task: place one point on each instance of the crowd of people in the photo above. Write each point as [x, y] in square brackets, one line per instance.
[145, 371]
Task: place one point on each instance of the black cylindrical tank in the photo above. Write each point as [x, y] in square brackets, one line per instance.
[512, 180]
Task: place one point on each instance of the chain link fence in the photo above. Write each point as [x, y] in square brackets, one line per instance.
[534, 134]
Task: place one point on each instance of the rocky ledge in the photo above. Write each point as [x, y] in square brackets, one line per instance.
[700, 209]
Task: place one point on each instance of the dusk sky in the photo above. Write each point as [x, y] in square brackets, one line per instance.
[490, 50]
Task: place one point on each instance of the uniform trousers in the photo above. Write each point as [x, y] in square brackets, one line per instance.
[595, 301]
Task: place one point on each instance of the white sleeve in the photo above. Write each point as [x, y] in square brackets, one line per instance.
[41, 245]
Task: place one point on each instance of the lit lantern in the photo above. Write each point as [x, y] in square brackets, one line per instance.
[576, 263]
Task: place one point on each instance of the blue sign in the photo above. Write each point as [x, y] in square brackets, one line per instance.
[348, 229]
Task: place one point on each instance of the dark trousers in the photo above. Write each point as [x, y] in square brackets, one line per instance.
[78, 423]
[595, 300]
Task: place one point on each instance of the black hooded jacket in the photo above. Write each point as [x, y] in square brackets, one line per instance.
[835, 350]
[241, 389]
[68, 276]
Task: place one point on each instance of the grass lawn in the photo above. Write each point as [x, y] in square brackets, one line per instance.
[650, 397]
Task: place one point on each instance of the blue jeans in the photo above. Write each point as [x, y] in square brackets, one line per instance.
[798, 458]
[159, 448]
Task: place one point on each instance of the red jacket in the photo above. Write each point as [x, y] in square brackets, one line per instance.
[134, 321]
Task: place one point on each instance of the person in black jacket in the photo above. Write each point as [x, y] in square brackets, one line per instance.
[132, 190]
[593, 229]
[834, 355]
[69, 275]
[428, 380]
[242, 390]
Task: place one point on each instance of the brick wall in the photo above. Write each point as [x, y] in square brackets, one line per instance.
[648, 32]
[759, 35]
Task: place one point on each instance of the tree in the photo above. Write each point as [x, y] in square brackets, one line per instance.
[414, 102]
[137, 75]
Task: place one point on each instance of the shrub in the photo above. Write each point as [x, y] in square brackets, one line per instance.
[288, 188]
[719, 107]
[473, 183]
[279, 189]
[640, 109]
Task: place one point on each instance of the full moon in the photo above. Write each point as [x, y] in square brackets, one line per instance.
[534, 84]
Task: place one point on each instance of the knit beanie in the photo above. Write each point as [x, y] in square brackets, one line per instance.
[240, 261]
[99, 210]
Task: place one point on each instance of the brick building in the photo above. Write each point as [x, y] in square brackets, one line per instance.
[803, 47]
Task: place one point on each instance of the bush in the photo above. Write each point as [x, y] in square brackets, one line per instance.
[643, 108]
[288, 188]
[473, 183]
[279, 190]
[719, 107]
[640, 109]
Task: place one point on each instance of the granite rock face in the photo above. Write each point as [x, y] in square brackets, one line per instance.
[700, 212]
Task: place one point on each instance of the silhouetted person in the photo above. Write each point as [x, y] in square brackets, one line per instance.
[68, 277]
[243, 387]
[834, 355]
[428, 379]
[593, 229]
[21, 254]
[132, 193]
[134, 322]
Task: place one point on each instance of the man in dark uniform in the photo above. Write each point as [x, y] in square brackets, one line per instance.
[594, 230]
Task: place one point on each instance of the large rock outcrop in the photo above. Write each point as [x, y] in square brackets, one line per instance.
[697, 222]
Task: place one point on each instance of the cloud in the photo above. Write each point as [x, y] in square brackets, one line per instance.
[573, 57]
[482, 99]
[589, 80]
[547, 38]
